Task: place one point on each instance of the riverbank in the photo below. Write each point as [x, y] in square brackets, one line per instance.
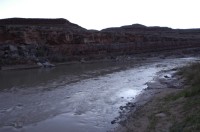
[140, 57]
[170, 103]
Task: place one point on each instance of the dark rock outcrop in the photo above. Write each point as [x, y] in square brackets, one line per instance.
[25, 41]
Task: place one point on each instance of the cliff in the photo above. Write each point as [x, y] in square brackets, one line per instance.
[28, 41]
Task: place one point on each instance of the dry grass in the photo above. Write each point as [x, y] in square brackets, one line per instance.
[191, 104]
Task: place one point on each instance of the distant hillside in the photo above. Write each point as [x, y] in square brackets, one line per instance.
[28, 40]
[39, 22]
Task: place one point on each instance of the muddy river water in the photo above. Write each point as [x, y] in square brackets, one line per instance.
[76, 97]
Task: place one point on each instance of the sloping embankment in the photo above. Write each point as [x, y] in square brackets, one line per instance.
[174, 109]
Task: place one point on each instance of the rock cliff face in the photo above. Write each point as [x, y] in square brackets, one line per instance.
[28, 41]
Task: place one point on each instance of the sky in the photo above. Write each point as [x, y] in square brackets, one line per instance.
[99, 14]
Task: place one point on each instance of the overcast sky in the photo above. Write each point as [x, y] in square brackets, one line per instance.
[99, 14]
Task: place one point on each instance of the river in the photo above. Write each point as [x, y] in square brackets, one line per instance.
[76, 97]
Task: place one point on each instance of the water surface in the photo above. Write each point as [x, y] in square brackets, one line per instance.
[73, 97]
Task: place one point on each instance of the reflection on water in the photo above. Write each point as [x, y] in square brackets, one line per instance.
[35, 77]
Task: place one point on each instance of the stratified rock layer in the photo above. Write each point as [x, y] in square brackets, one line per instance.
[27, 41]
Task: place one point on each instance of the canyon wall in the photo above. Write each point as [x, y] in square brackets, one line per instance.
[28, 41]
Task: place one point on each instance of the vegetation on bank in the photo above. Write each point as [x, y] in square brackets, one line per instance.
[172, 109]
[191, 103]
[183, 107]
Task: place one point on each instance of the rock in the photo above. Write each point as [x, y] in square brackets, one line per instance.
[121, 107]
[19, 105]
[166, 76]
[39, 64]
[47, 64]
[161, 115]
[113, 122]
[129, 104]
[18, 125]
